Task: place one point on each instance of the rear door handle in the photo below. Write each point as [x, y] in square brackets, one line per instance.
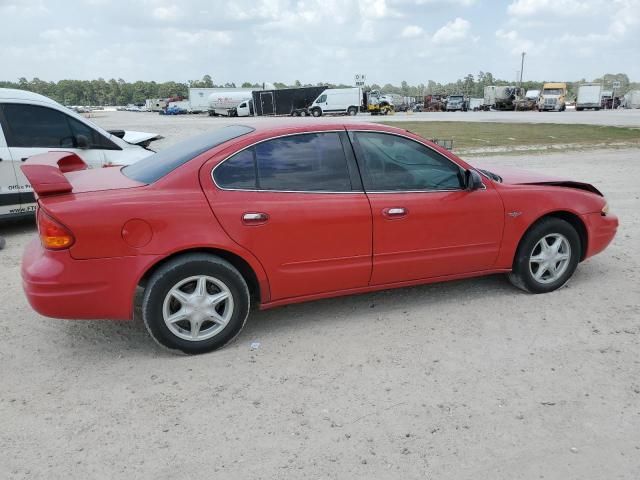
[254, 218]
[394, 212]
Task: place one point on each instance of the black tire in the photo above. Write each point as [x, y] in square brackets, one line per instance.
[316, 112]
[184, 267]
[352, 111]
[522, 276]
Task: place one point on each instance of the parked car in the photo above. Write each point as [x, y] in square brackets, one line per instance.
[245, 217]
[32, 124]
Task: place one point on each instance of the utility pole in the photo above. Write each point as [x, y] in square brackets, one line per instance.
[522, 67]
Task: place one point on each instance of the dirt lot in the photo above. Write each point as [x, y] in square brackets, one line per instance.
[465, 380]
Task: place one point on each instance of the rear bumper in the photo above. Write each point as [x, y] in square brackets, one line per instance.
[600, 230]
[59, 286]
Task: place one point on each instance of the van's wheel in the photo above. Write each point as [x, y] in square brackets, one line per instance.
[316, 112]
[351, 111]
[547, 256]
[195, 303]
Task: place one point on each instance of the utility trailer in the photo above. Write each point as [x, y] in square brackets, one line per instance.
[285, 101]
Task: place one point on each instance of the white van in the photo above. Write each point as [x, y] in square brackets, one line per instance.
[345, 101]
[32, 124]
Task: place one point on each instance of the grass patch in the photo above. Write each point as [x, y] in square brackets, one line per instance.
[476, 137]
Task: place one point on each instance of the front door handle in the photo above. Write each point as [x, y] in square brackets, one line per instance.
[394, 212]
[254, 218]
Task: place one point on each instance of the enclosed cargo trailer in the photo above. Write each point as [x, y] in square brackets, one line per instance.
[285, 101]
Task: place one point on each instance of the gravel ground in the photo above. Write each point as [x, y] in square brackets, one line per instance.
[463, 380]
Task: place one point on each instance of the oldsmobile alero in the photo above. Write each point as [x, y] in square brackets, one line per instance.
[246, 217]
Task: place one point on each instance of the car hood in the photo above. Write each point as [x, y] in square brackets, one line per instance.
[516, 176]
[142, 139]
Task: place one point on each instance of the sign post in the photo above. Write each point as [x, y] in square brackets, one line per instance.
[359, 79]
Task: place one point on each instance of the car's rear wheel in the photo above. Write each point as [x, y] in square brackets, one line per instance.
[547, 256]
[352, 111]
[195, 303]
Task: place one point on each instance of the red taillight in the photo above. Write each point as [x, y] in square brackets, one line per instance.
[53, 234]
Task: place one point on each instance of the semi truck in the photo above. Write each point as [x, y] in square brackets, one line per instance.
[456, 103]
[589, 95]
[506, 96]
[226, 102]
[553, 97]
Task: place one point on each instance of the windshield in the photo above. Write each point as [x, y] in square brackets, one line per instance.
[455, 99]
[154, 167]
[553, 91]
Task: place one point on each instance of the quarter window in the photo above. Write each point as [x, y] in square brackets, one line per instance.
[312, 162]
[394, 163]
[238, 171]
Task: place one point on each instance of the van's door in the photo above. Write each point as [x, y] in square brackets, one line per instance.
[9, 191]
[33, 129]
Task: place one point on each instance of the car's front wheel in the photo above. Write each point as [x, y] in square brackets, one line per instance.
[547, 256]
[195, 303]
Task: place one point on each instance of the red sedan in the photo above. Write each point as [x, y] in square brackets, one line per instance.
[246, 217]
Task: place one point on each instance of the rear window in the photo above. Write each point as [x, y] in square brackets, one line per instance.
[160, 164]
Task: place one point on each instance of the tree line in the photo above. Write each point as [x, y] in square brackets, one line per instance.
[120, 92]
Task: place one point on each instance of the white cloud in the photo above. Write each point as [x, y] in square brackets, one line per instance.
[171, 12]
[530, 8]
[514, 42]
[203, 37]
[452, 32]
[67, 33]
[411, 31]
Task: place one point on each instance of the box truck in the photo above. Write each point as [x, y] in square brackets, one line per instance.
[344, 101]
[631, 99]
[588, 96]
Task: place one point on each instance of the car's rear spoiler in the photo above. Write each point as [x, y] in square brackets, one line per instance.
[45, 172]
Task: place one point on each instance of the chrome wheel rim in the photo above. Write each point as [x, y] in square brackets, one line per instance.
[197, 308]
[550, 258]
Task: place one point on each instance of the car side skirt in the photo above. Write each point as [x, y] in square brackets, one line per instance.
[375, 288]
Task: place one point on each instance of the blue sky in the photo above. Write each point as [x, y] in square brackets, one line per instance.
[318, 40]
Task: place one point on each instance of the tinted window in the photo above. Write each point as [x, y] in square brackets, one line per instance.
[156, 166]
[96, 140]
[308, 162]
[238, 171]
[390, 162]
[32, 126]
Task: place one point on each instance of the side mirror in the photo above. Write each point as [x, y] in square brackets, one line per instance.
[82, 142]
[473, 180]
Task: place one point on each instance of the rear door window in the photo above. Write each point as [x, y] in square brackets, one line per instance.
[313, 162]
[309, 162]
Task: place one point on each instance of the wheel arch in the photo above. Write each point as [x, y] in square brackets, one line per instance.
[571, 218]
[256, 290]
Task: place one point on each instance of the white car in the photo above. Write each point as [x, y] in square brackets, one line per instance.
[32, 124]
